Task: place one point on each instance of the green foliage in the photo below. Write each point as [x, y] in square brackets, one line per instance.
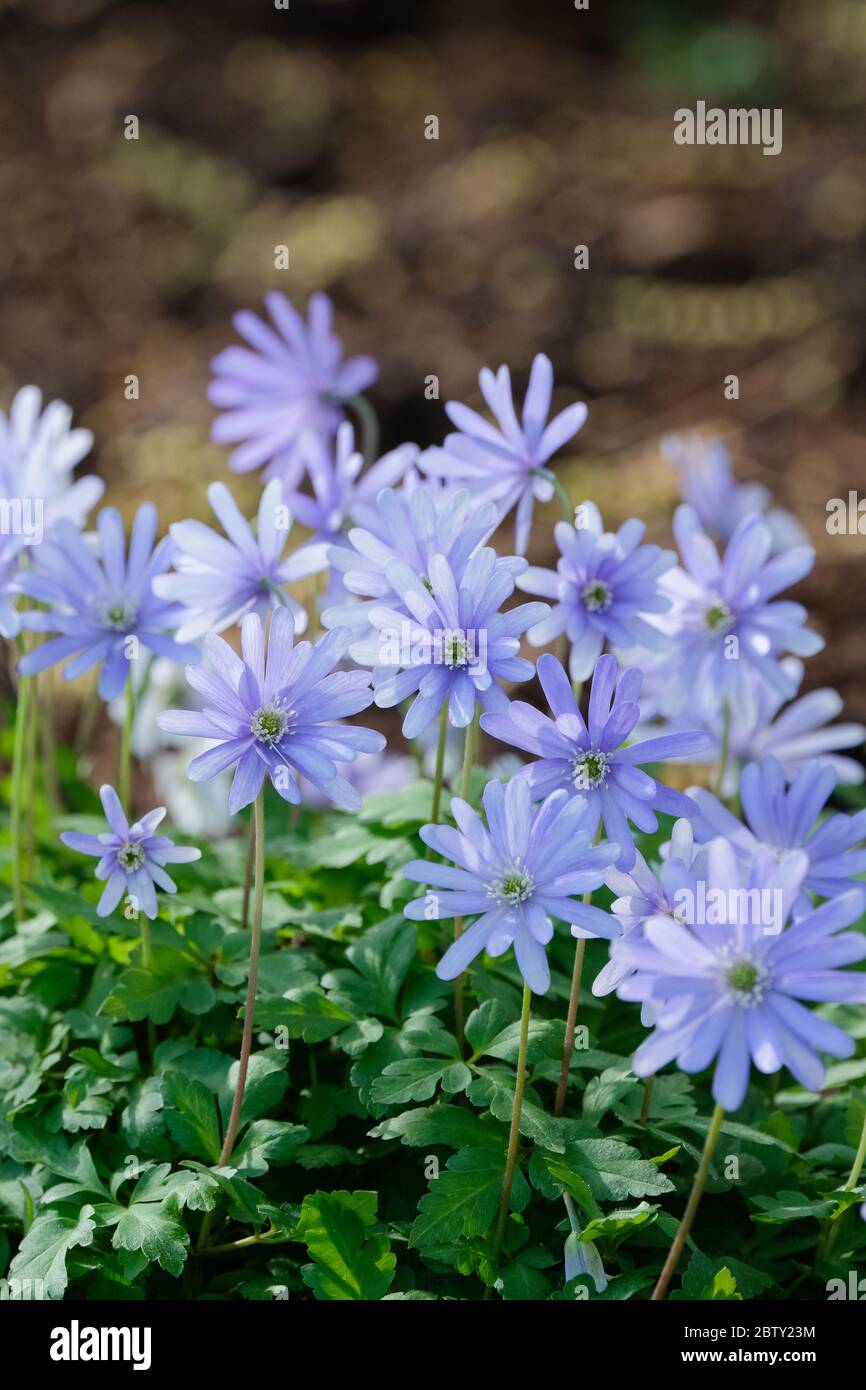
[371, 1148]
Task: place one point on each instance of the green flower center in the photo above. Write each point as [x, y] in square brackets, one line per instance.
[746, 978]
[719, 617]
[119, 616]
[515, 886]
[269, 724]
[130, 856]
[455, 650]
[589, 770]
[596, 596]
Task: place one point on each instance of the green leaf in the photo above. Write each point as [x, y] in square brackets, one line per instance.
[619, 1223]
[268, 1142]
[416, 1078]
[193, 1121]
[42, 1254]
[452, 1125]
[611, 1170]
[465, 1197]
[157, 994]
[790, 1206]
[350, 1261]
[154, 1229]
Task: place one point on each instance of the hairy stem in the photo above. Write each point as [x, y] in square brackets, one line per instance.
[369, 427]
[19, 767]
[469, 754]
[695, 1195]
[514, 1133]
[647, 1099]
[124, 766]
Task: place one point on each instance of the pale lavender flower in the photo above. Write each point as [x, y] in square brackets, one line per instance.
[39, 451]
[290, 379]
[411, 525]
[724, 620]
[796, 734]
[102, 606]
[589, 759]
[515, 875]
[707, 483]
[727, 988]
[340, 489]
[272, 711]
[783, 818]
[603, 585]
[132, 858]
[218, 581]
[507, 462]
[10, 554]
[448, 642]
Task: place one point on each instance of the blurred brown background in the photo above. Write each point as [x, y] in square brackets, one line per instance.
[306, 127]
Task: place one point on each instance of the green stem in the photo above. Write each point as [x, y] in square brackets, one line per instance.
[124, 768]
[440, 763]
[514, 1134]
[695, 1195]
[571, 1015]
[647, 1100]
[19, 766]
[276, 591]
[560, 493]
[833, 1223]
[724, 750]
[469, 752]
[369, 427]
[248, 874]
[250, 1006]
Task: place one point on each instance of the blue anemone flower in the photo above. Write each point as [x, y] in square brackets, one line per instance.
[132, 858]
[102, 606]
[516, 874]
[589, 759]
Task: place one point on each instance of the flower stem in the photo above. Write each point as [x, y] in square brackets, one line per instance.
[514, 1134]
[440, 763]
[124, 767]
[250, 1006]
[647, 1100]
[724, 749]
[369, 427]
[570, 1024]
[695, 1195]
[562, 498]
[248, 874]
[832, 1224]
[469, 753]
[19, 764]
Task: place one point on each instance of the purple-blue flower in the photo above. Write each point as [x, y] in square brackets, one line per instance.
[783, 818]
[507, 462]
[707, 483]
[516, 874]
[132, 858]
[796, 734]
[291, 378]
[102, 606]
[271, 712]
[411, 526]
[339, 488]
[217, 581]
[727, 986]
[725, 621]
[643, 893]
[449, 641]
[603, 585]
[589, 759]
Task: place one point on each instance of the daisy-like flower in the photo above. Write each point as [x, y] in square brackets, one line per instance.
[796, 734]
[218, 580]
[602, 586]
[290, 379]
[724, 620]
[102, 606]
[643, 893]
[507, 462]
[782, 818]
[589, 760]
[132, 858]
[339, 487]
[728, 988]
[271, 713]
[411, 526]
[39, 451]
[707, 483]
[449, 641]
[515, 875]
